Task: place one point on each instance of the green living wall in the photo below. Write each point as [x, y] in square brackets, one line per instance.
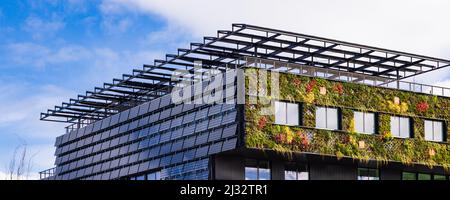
[262, 133]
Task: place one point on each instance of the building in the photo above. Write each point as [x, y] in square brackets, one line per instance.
[295, 107]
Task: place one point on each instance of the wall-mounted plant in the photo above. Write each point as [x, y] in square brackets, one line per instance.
[296, 82]
[386, 135]
[311, 85]
[262, 133]
[351, 126]
[309, 98]
[301, 140]
[422, 106]
[262, 122]
[397, 108]
[339, 88]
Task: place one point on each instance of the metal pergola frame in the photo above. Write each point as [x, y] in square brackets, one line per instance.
[227, 50]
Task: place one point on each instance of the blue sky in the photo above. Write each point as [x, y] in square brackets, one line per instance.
[52, 50]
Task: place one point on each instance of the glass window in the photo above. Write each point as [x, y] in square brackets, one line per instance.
[409, 176]
[286, 113]
[280, 112]
[290, 175]
[421, 176]
[400, 127]
[434, 131]
[321, 116]
[140, 178]
[229, 118]
[368, 174]
[292, 114]
[327, 118]
[296, 173]
[264, 171]
[364, 122]
[154, 176]
[251, 173]
[257, 170]
[124, 115]
[439, 177]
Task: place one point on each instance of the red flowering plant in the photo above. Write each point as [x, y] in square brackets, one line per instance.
[280, 138]
[285, 137]
[262, 122]
[297, 82]
[301, 140]
[310, 86]
[339, 88]
[422, 106]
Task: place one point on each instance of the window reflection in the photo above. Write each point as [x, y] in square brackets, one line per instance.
[327, 118]
[295, 172]
[257, 170]
[286, 113]
[368, 174]
[364, 122]
[434, 131]
[400, 127]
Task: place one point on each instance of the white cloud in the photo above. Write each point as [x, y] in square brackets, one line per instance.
[40, 28]
[20, 108]
[77, 5]
[113, 8]
[116, 19]
[407, 25]
[109, 64]
[21, 105]
[169, 37]
[33, 54]
[101, 64]
[116, 25]
[104, 65]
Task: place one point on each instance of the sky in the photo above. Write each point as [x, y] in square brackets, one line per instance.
[52, 50]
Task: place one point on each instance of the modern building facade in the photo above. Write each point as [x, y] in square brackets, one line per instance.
[285, 106]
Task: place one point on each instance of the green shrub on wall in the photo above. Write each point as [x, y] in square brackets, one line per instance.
[261, 132]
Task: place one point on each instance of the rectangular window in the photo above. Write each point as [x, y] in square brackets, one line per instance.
[296, 173]
[154, 176]
[364, 122]
[434, 131]
[257, 170]
[439, 177]
[368, 174]
[421, 176]
[286, 113]
[400, 127]
[327, 118]
[409, 176]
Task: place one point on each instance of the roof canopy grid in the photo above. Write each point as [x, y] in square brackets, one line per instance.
[228, 49]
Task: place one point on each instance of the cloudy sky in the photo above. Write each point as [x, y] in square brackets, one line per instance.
[51, 50]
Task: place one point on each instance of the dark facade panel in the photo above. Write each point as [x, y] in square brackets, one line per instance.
[324, 171]
[175, 139]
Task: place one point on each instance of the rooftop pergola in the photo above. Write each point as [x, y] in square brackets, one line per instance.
[229, 49]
